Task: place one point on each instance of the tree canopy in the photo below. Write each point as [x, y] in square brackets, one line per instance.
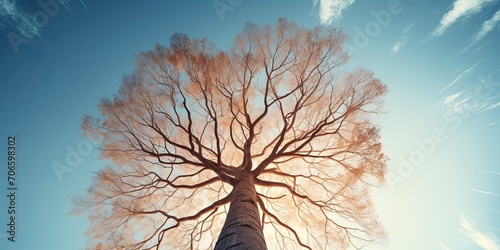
[279, 104]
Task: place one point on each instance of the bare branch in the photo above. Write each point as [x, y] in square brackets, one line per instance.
[276, 110]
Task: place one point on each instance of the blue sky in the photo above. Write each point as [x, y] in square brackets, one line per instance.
[440, 128]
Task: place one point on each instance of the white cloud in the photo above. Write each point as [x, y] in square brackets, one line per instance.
[485, 192]
[486, 28]
[469, 103]
[14, 16]
[463, 74]
[461, 8]
[443, 246]
[84, 5]
[488, 172]
[330, 10]
[402, 40]
[451, 98]
[485, 240]
[479, 97]
[492, 106]
[65, 4]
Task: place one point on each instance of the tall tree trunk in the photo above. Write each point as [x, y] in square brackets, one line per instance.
[242, 228]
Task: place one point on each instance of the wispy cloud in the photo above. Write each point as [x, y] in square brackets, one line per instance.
[65, 4]
[469, 103]
[492, 106]
[331, 10]
[14, 17]
[486, 28]
[460, 76]
[449, 99]
[402, 40]
[84, 5]
[479, 97]
[460, 9]
[488, 172]
[24, 23]
[485, 192]
[443, 246]
[485, 240]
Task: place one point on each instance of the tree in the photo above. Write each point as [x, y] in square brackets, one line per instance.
[271, 139]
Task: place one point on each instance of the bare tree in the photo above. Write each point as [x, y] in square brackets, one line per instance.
[266, 145]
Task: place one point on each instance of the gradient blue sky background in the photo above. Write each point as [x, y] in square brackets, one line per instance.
[440, 60]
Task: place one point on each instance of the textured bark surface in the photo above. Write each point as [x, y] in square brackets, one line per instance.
[242, 228]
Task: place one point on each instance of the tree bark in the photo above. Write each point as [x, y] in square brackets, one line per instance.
[242, 228]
